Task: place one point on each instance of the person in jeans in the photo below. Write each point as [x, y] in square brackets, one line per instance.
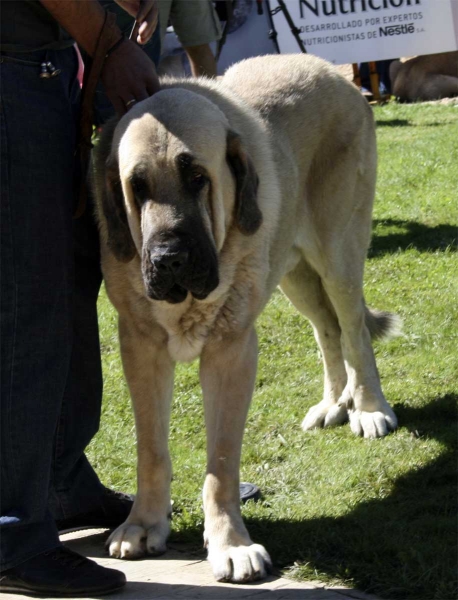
[51, 382]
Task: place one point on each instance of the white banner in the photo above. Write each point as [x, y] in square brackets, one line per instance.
[353, 31]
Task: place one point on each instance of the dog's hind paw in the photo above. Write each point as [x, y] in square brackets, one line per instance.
[325, 414]
[373, 424]
[130, 541]
[240, 563]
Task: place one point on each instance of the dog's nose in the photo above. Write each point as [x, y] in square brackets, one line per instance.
[170, 262]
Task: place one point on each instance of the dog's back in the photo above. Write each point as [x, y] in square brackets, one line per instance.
[322, 132]
[303, 98]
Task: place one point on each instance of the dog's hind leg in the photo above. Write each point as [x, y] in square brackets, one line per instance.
[334, 239]
[341, 273]
[303, 287]
[370, 414]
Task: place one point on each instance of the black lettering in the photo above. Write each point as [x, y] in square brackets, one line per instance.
[327, 12]
[330, 8]
[314, 9]
[396, 30]
[352, 5]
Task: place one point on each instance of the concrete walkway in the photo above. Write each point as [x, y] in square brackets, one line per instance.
[178, 575]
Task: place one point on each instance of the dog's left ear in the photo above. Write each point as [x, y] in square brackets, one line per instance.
[247, 213]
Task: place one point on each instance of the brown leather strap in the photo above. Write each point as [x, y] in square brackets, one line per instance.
[109, 36]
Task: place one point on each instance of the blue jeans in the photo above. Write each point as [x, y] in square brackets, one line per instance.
[51, 381]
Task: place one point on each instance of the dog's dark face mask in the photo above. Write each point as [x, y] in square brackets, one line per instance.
[179, 261]
[178, 252]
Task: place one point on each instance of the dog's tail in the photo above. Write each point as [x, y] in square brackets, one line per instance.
[382, 324]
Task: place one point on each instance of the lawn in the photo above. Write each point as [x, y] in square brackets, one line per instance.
[376, 514]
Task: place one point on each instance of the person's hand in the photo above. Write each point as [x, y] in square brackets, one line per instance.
[128, 76]
[146, 14]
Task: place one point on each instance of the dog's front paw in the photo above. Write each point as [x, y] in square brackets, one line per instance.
[131, 540]
[325, 414]
[373, 424]
[239, 563]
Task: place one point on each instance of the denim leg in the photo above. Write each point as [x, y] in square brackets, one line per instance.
[75, 487]
[38, 128]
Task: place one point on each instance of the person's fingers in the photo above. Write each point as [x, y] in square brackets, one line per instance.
[141, 94]
[148, 17]
[145, 9]
[146, 30]
[134, 33]
[128, 75]
[130, 103]
[131, 7]
[144, 33]
[134, 97]
[119, 106]
[153, 17]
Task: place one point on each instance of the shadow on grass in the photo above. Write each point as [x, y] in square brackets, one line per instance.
[399, 546]
[394, 123]
[411, 234]
[407, 123]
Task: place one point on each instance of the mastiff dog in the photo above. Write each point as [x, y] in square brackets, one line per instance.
[209, 194]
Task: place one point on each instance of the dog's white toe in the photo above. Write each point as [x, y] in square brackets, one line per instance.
[240, 563]
[325, 414]
[130, 541]
[373, 424]
[127, 541]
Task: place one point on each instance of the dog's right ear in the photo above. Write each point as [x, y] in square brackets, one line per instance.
[120, 239]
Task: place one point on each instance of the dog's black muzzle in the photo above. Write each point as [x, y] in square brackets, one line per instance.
[174, 264]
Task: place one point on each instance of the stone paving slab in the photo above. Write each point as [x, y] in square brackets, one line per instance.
[180, 575]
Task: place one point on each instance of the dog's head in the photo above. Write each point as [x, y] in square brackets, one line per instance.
[177, 180]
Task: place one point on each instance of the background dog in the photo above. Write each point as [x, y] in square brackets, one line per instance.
[209, 195]
[428, 77]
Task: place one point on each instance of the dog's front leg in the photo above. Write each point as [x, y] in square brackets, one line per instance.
[149, 372]
[228, 372]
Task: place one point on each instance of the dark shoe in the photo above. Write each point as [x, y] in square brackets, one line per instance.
[61, 572]
[249, 491]
[112, 511]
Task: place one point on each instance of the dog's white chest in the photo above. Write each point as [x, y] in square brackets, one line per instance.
[184, 348]
[188, 327]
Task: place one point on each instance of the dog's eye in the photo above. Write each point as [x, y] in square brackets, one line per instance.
[198, 180]
[140, 187]
[193, 175]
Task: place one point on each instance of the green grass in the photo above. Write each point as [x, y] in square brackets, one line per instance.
[379, 515]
